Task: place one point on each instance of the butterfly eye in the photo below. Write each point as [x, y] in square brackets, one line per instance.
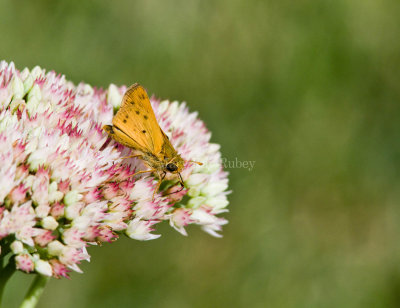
[172, 167]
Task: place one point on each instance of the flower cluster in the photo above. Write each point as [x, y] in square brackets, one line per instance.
[64, 184]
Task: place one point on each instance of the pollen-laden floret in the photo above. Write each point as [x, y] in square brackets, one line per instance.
[64, 186]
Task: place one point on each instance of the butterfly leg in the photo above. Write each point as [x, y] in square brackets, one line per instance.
[182, 186]
[161, 177]
[181, 180]
[144, 171]
[131, 156]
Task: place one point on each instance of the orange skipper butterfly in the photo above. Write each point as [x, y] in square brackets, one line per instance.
[136, 127]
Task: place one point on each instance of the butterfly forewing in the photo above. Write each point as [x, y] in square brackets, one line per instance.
[137, 121]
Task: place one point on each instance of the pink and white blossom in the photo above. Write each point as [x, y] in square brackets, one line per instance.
[63, 182]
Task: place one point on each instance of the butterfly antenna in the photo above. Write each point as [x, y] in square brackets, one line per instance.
[196, 162]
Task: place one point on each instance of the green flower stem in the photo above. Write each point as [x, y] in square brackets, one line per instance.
[35, 291]
[5, 274]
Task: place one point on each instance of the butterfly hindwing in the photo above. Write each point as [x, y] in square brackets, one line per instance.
[121, 137]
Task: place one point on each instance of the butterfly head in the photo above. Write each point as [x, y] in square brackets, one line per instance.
[171, 167]
[175, 166]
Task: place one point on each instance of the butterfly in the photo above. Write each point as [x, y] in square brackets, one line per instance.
[135, 126]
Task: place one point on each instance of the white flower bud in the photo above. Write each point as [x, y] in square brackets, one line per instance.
[218, 202]
[17, 87]
[54, 194]
[24, 73]
[72, 211]
[17, 247]
[86, 90]
[113, 96]
[196, 202]
[37, 71]
[209, 168]
[194, 192]
[49, 223]
[55, 248]
[215, 188]
[34, 94]
[42, 210]
[28, 83]
[196, 179]
[43, 267]
[72, 197]
[163, 106]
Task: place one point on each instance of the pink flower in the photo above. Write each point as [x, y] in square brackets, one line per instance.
[44, 238]
[24, 263]
[63, 185]
[140, 230]
[111, 190]
[18, 194]
[57, 210]
[59, 269]
[181, 218]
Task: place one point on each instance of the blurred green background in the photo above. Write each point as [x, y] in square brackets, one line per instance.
[308, 89]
